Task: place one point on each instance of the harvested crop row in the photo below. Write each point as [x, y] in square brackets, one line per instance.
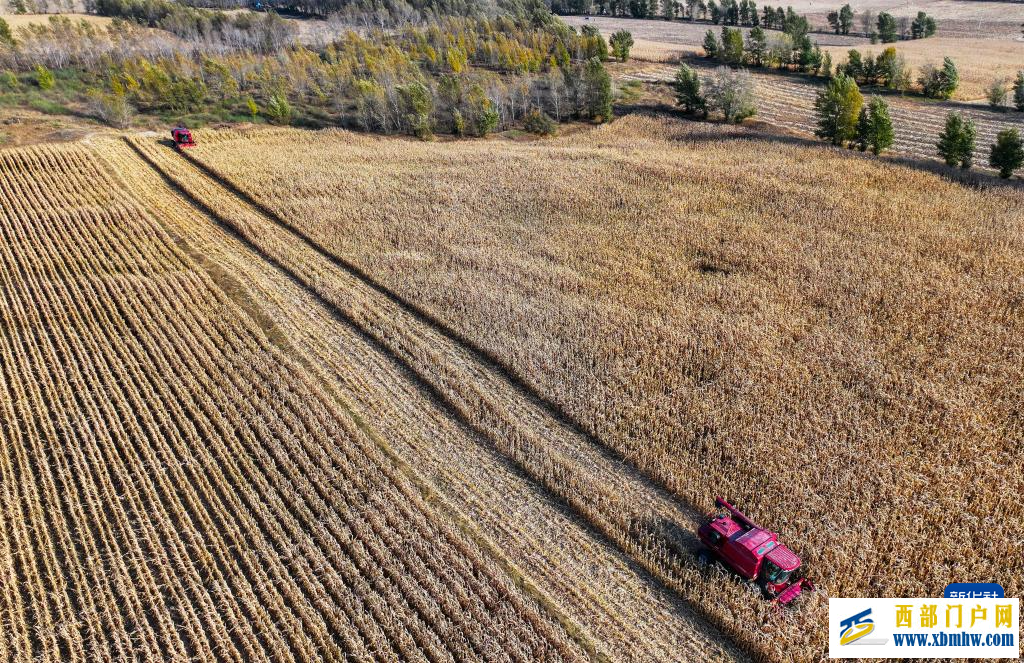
[726, 328]
[173, 489]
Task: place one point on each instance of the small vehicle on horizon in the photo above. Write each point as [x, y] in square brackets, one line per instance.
[182, 137]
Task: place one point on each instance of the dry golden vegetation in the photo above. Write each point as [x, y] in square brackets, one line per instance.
[23, 20]
[979, 61]
[980, 58]
[308, 395]
[831, 341]
[175, 487]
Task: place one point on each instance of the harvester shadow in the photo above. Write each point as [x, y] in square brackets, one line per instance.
[685, 542]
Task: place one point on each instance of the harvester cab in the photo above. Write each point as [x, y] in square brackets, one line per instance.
[754, 553]
[182, 137]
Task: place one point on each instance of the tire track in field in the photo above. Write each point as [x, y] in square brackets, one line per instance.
[621, 506]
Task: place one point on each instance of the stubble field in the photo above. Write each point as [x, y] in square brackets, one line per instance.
[788, 103]
[175, 488]
[470, 400]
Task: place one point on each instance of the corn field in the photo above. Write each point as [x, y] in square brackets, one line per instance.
[175, 488]
[323, 396]
[843, 366]
[789, 103]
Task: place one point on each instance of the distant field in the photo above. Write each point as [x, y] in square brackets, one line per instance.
[979, 61]
[788, 102]
[680, 33]
[957, 18]
[723, 327]
[21, 20]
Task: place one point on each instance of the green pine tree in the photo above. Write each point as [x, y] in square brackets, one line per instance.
[956, 141]
[598, 91]
[688, 94]
[874, 127]
[1007, 153]
[838, 107]
[710, 45]
[1018, 91]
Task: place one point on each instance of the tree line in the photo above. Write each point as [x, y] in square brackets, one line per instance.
[843, 116]
[458, 75]
[844, 119]
[884, 27]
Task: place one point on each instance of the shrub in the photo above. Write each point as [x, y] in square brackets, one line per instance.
[538, 122]
[44, 77]
[277, 109]
[956, 142]
[254, 110]
[1007, 153]
[417, 107]
[112, 107]
[8, 81]
[996, 95]
[482, 111]
[731, 92]
[5, 33]
[838, 108]
[621, 42]
[1018, 91]
[186, 95]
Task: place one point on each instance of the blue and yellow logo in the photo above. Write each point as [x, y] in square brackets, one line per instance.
[854, 628]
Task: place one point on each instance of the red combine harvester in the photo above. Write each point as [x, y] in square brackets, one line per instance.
[182, 137]
[754, 553]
